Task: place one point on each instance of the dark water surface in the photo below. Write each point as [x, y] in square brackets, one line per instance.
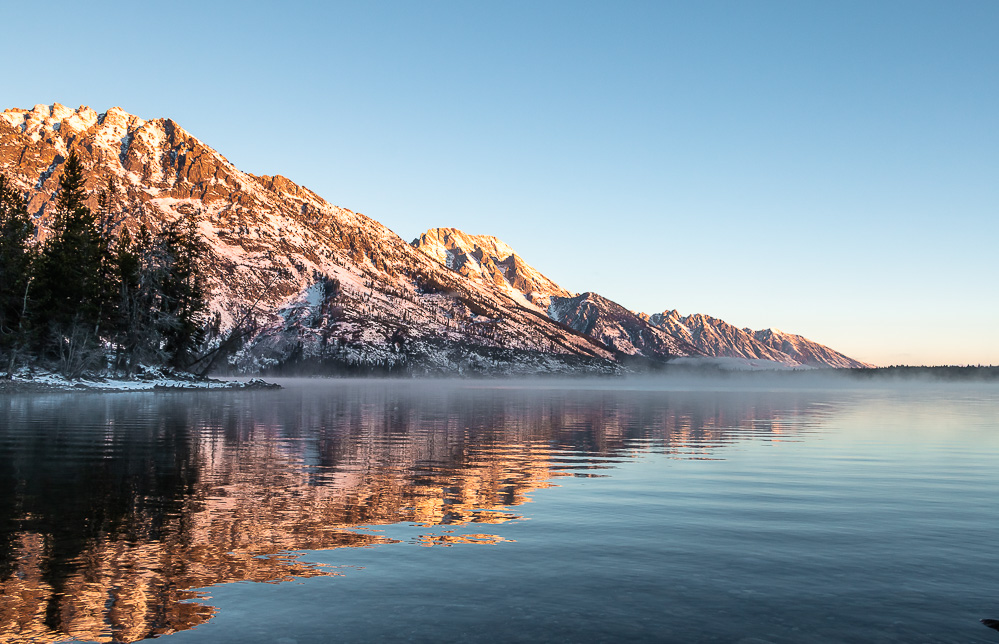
[501, 511]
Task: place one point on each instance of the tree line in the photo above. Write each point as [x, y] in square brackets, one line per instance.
[91, 298]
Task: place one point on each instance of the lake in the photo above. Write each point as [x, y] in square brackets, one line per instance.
[503, 511]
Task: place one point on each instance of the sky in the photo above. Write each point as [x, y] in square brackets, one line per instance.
[828, 169]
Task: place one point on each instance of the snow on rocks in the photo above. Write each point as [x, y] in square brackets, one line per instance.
[488, 260]
[150, 379]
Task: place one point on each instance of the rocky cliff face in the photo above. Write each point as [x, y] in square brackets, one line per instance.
[488, 260]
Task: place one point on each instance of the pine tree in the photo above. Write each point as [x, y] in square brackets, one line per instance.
[143, 266]
[183, 308]
[130, 316]
[107, 219]
[68, 292]
[16, 257]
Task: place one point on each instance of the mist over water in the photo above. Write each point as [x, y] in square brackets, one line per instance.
[657, 509]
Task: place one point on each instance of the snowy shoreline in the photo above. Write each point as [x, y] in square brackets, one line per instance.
[54, 383]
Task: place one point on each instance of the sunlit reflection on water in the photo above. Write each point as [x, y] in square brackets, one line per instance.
[116, 509]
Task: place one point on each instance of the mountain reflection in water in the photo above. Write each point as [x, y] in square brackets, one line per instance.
[114, 507]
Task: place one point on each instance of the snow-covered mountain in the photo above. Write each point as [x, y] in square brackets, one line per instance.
[716, 337]
[804, 350]
[323, 287]
[486, 259]
[616, 326]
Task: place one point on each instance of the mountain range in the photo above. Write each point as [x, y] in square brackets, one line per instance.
[316, 287]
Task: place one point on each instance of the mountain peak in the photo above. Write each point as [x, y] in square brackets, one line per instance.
[487, 259]
[60, 118]
[454, 236]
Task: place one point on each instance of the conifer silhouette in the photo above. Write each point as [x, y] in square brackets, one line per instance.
[16, 256]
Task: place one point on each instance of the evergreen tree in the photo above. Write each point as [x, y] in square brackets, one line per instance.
[183, 308]
[16, 257]
[107, 219]
[143, 267]
[162, 306]
[68, 290]
[130, 315]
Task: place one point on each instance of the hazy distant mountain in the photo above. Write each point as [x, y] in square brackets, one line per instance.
[321, 286]
[716, 337]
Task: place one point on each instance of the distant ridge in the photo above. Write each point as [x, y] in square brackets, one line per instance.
[716, 337]
[487, 259]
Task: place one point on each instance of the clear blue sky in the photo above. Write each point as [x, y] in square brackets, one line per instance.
[826, 168]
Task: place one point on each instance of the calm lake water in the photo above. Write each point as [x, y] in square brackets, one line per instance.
[503, 511]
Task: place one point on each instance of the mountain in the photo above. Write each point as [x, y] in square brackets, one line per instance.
[616, 326]
[716, 337]
[806, 351]
[318, 285]
[486, 259]
[313, 286]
